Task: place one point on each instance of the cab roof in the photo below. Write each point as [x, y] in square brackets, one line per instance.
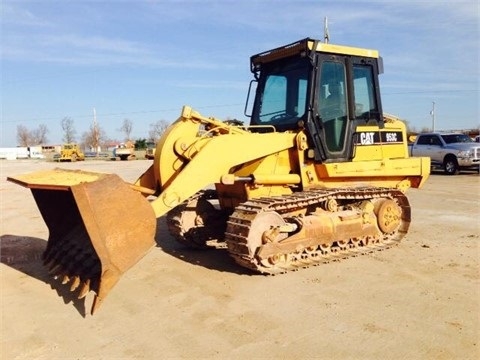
[305, 46]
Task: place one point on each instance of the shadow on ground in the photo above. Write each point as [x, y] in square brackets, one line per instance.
[24, 254]
[214, 258]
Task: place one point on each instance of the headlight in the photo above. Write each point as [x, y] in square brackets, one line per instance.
[465, 154]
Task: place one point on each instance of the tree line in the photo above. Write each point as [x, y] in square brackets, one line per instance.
[94, 138]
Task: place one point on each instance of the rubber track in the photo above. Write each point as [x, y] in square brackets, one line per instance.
[239, 225]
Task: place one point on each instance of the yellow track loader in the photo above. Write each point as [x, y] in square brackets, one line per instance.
[319, 174]
[71, 152]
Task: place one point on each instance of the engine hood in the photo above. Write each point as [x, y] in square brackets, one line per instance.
[462, 146]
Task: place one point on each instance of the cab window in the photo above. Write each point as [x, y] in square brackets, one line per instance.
[333, 104]
[284, 95]
[364, 88]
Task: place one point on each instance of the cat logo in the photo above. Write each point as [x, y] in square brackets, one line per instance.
[367, 138]
[378, 138]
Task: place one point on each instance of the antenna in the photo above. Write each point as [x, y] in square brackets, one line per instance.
[326, 35]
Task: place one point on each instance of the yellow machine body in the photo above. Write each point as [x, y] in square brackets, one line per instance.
[269, 163]
[71, 152]
[287, 193]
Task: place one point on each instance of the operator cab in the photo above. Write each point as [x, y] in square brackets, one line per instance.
[328, 90]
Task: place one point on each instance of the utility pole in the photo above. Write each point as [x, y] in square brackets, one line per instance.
[433, 115]
[95, 131]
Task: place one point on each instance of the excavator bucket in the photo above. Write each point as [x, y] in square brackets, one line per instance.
[98, 226]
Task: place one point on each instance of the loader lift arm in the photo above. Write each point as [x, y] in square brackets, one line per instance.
[203, 160]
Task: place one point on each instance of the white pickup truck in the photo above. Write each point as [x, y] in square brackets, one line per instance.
[450, 151]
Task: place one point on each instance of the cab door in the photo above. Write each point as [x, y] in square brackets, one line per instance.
[332, 107]
[346, 96]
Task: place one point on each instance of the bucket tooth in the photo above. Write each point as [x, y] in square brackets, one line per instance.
[75, 283]
[94, 283]
[84, 289]
[65, 279]
[99, 227]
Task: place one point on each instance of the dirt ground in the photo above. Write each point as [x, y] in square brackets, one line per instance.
[420, 300]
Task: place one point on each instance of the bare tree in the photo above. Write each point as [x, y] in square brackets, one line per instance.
[126, 128]
[23, 136]
[68, 130]
[157, 129]
[27, 137]
[39, 135]
[93, 138]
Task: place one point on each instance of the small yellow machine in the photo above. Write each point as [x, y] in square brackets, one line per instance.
[319, 174]
[71, 152]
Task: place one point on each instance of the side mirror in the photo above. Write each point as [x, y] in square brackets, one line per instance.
[250, 100]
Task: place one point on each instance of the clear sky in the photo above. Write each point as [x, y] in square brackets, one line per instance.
[143, 60]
